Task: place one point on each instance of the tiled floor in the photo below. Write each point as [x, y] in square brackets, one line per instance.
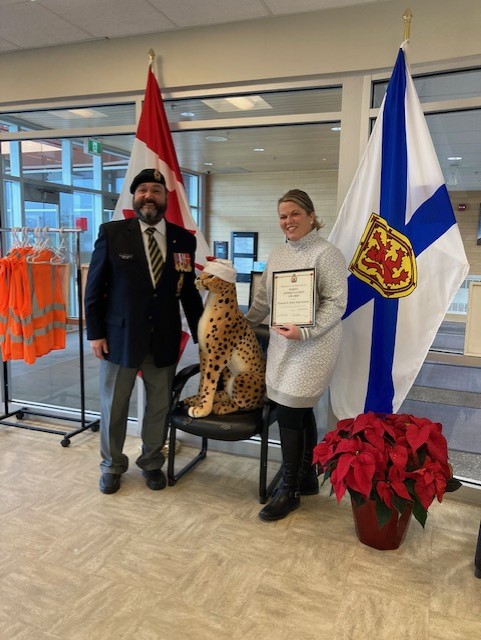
[193, 562]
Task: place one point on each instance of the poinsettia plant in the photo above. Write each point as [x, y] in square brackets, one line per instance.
[398, 460]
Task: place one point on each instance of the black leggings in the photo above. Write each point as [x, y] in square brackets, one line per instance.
[295, 419]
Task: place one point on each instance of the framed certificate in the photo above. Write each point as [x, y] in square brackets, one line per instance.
[293, 297]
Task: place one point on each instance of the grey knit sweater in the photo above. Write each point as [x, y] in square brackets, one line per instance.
[298, 371]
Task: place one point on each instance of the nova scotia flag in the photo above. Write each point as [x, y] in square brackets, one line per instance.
[397, 231]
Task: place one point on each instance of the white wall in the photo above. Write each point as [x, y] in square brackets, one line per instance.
[333, 41]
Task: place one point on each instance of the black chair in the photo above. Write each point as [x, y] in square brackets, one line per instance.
[242, 425]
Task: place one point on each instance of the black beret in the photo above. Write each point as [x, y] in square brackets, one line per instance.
[147, 175]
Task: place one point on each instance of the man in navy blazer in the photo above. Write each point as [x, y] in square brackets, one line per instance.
[135, 325]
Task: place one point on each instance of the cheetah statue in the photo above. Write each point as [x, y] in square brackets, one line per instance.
[228, 348]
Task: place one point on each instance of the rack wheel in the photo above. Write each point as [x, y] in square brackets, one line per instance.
[19, 415]
[95, 427]
[65, 442]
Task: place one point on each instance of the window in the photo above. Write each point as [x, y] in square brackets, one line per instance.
[192, 185]
[434, 88]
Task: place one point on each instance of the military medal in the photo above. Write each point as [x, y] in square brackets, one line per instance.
[182, 262]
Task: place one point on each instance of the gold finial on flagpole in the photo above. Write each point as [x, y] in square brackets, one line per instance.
[151, 56]
[407, 16]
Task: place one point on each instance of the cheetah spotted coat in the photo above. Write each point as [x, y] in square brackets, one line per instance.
[229, 352]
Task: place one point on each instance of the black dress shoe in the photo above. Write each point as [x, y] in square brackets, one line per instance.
[285, 501]
[109, 482]
[155, 479]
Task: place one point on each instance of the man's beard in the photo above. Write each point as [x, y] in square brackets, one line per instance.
[152, 214]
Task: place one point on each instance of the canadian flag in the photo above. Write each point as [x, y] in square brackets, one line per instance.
[153, 148]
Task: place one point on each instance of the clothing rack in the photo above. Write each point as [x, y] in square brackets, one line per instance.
[20, 413]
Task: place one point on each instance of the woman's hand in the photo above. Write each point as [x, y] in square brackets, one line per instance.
[289, 331]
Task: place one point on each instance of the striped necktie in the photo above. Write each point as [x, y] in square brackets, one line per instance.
[155, 254]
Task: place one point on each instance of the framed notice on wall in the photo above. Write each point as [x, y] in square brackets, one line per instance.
[221, 249]
[244, 253]
[472, 338]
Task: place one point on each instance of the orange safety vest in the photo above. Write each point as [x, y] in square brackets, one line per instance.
[33, 305]
[49, 312]
[4, 307]
[19, 337]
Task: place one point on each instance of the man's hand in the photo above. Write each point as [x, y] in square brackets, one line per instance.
[99, 348]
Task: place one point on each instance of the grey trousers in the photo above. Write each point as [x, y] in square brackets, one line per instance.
[116, 384]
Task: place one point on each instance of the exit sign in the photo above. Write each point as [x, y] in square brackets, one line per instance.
[94, 147]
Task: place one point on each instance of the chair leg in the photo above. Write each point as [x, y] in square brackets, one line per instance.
[171, 458]
[263, 464]
[172, 477]
[265, 491]
[477, 557]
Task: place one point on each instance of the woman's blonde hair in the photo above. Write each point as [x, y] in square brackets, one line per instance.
[302, 200]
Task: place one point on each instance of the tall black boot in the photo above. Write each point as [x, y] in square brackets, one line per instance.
[309, 484]
[286, 498]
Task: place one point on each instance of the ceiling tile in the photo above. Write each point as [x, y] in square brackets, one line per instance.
[111, 18]
[28, 25]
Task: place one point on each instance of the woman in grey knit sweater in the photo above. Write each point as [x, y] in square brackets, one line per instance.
[300, 359]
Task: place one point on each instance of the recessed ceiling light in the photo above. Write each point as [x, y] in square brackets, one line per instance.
[247, 103]
[70, 114]
[259, 149]
[216, 138]
[208, 164]
[237, 103]
[337, 128]
[187, 114]
[455, 158]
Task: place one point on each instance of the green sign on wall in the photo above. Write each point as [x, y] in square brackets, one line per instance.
[94, 147]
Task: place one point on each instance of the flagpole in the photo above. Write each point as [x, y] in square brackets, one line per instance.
[407, 17]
